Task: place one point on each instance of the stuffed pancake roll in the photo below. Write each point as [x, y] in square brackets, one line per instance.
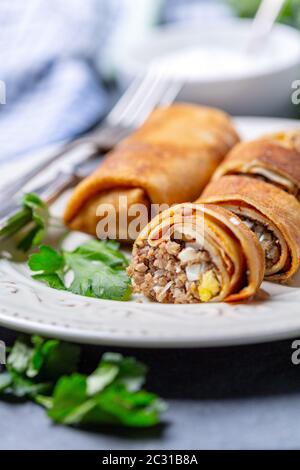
[168, 160]
[274, 158]
[195, 253]
[186, 126]
[272, 215]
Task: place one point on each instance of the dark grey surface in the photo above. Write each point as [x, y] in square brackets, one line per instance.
[227, 398]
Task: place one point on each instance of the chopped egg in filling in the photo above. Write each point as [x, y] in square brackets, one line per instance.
[175, 271]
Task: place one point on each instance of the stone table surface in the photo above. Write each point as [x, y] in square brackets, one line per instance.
[242, 397]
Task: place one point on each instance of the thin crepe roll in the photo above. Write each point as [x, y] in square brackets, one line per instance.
[195, 253]
[271, 213]
[185, 126]
[274, 158]
[168, 160]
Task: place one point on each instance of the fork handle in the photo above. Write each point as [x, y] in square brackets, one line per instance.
[48, 192]
[53, 188]
[10, 189]
[102, 139]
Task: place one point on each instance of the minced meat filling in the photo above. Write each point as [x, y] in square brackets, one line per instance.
[174, 272]
[267, 239]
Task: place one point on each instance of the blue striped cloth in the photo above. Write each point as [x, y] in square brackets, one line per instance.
[50, 63]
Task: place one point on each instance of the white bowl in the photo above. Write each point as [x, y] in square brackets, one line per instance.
[262, 90]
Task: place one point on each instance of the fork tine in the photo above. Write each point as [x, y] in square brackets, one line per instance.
[144, 90]
[171, 93]
[124, 105]
[114, 115]
[148, 92]
[141, 98]
[144, 93]
[163, 94]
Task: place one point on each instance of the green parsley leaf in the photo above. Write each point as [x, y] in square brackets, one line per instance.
[105, 397]
[43, 370]
[22, 387]
[19, 356]
[69, 394]
[52, 280]
[5, 381]
[30, 222]
[138, 409]
[97, 267]
[105, 251]
[96, 279]
[46, 260]
[52, 358]
[131, 372]
[100, 378]
[34, 366]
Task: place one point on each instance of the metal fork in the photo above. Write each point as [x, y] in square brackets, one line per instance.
[142, 96]
[53, 188]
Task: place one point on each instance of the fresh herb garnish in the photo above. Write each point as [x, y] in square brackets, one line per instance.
[97, 268]
[30, 223]
[34, 366]
[111, 394]
[44, 371]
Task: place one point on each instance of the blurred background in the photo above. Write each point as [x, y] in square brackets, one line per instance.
[64, 62]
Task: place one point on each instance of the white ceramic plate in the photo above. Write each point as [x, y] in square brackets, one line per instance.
[32, 307]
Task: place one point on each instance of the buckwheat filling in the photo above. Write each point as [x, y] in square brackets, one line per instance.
[267, 239]
[175, 271]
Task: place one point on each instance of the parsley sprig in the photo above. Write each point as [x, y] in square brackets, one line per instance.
[45, 372]
[97, 268]
[33, 366]
[30, 223]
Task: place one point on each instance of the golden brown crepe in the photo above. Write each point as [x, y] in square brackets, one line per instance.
[272, 214]
[168, 160]
[196, 253]
[274, 158]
